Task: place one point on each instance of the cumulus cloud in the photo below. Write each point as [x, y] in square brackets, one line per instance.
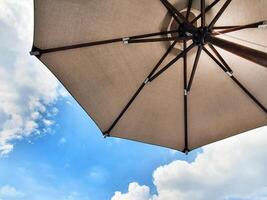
[27, 89]
[231, 169]
[135, 192]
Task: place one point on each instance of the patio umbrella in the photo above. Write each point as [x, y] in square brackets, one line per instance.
[179, 73]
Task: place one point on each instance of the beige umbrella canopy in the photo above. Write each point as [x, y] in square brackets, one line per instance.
[179, 73]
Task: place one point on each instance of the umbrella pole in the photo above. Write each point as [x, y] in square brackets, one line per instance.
[247, 53]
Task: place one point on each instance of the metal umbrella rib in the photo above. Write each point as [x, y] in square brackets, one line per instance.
[188, 9]
[207, 9]
[171, 63]
[221, 11]
[38, 52]
[223, 27]
[186, 148]
[220, 58]
[168, 6]
[238, 28]
[160, 39]
[203, 19]
[189, 86]
[186, 142]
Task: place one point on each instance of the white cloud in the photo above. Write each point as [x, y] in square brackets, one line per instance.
[6, 148]
[48, 122]
[234, 168]
[19, 15]
[135, 192]
[27, 89]
[10, 192]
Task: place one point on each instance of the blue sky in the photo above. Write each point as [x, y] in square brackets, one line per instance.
[50, 148]
[74, 157]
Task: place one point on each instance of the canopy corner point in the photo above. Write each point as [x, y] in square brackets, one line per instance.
[106, 134]
[186, 151]
[35, 51]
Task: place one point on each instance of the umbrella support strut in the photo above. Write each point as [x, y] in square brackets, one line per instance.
[38, 52]
[206, 10]
[238, 28]
[221, 11]
[194, 69]
[220, 58]
[172, 62]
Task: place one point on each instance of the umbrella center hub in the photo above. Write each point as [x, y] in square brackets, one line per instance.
[199, 37]
[171, 24]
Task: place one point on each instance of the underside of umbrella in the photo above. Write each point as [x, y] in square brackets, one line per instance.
[179, 73]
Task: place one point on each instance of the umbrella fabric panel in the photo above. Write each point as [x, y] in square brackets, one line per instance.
[218, 108]
[104, 78]
[68, 22]
[101, 78]
[156, 116]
